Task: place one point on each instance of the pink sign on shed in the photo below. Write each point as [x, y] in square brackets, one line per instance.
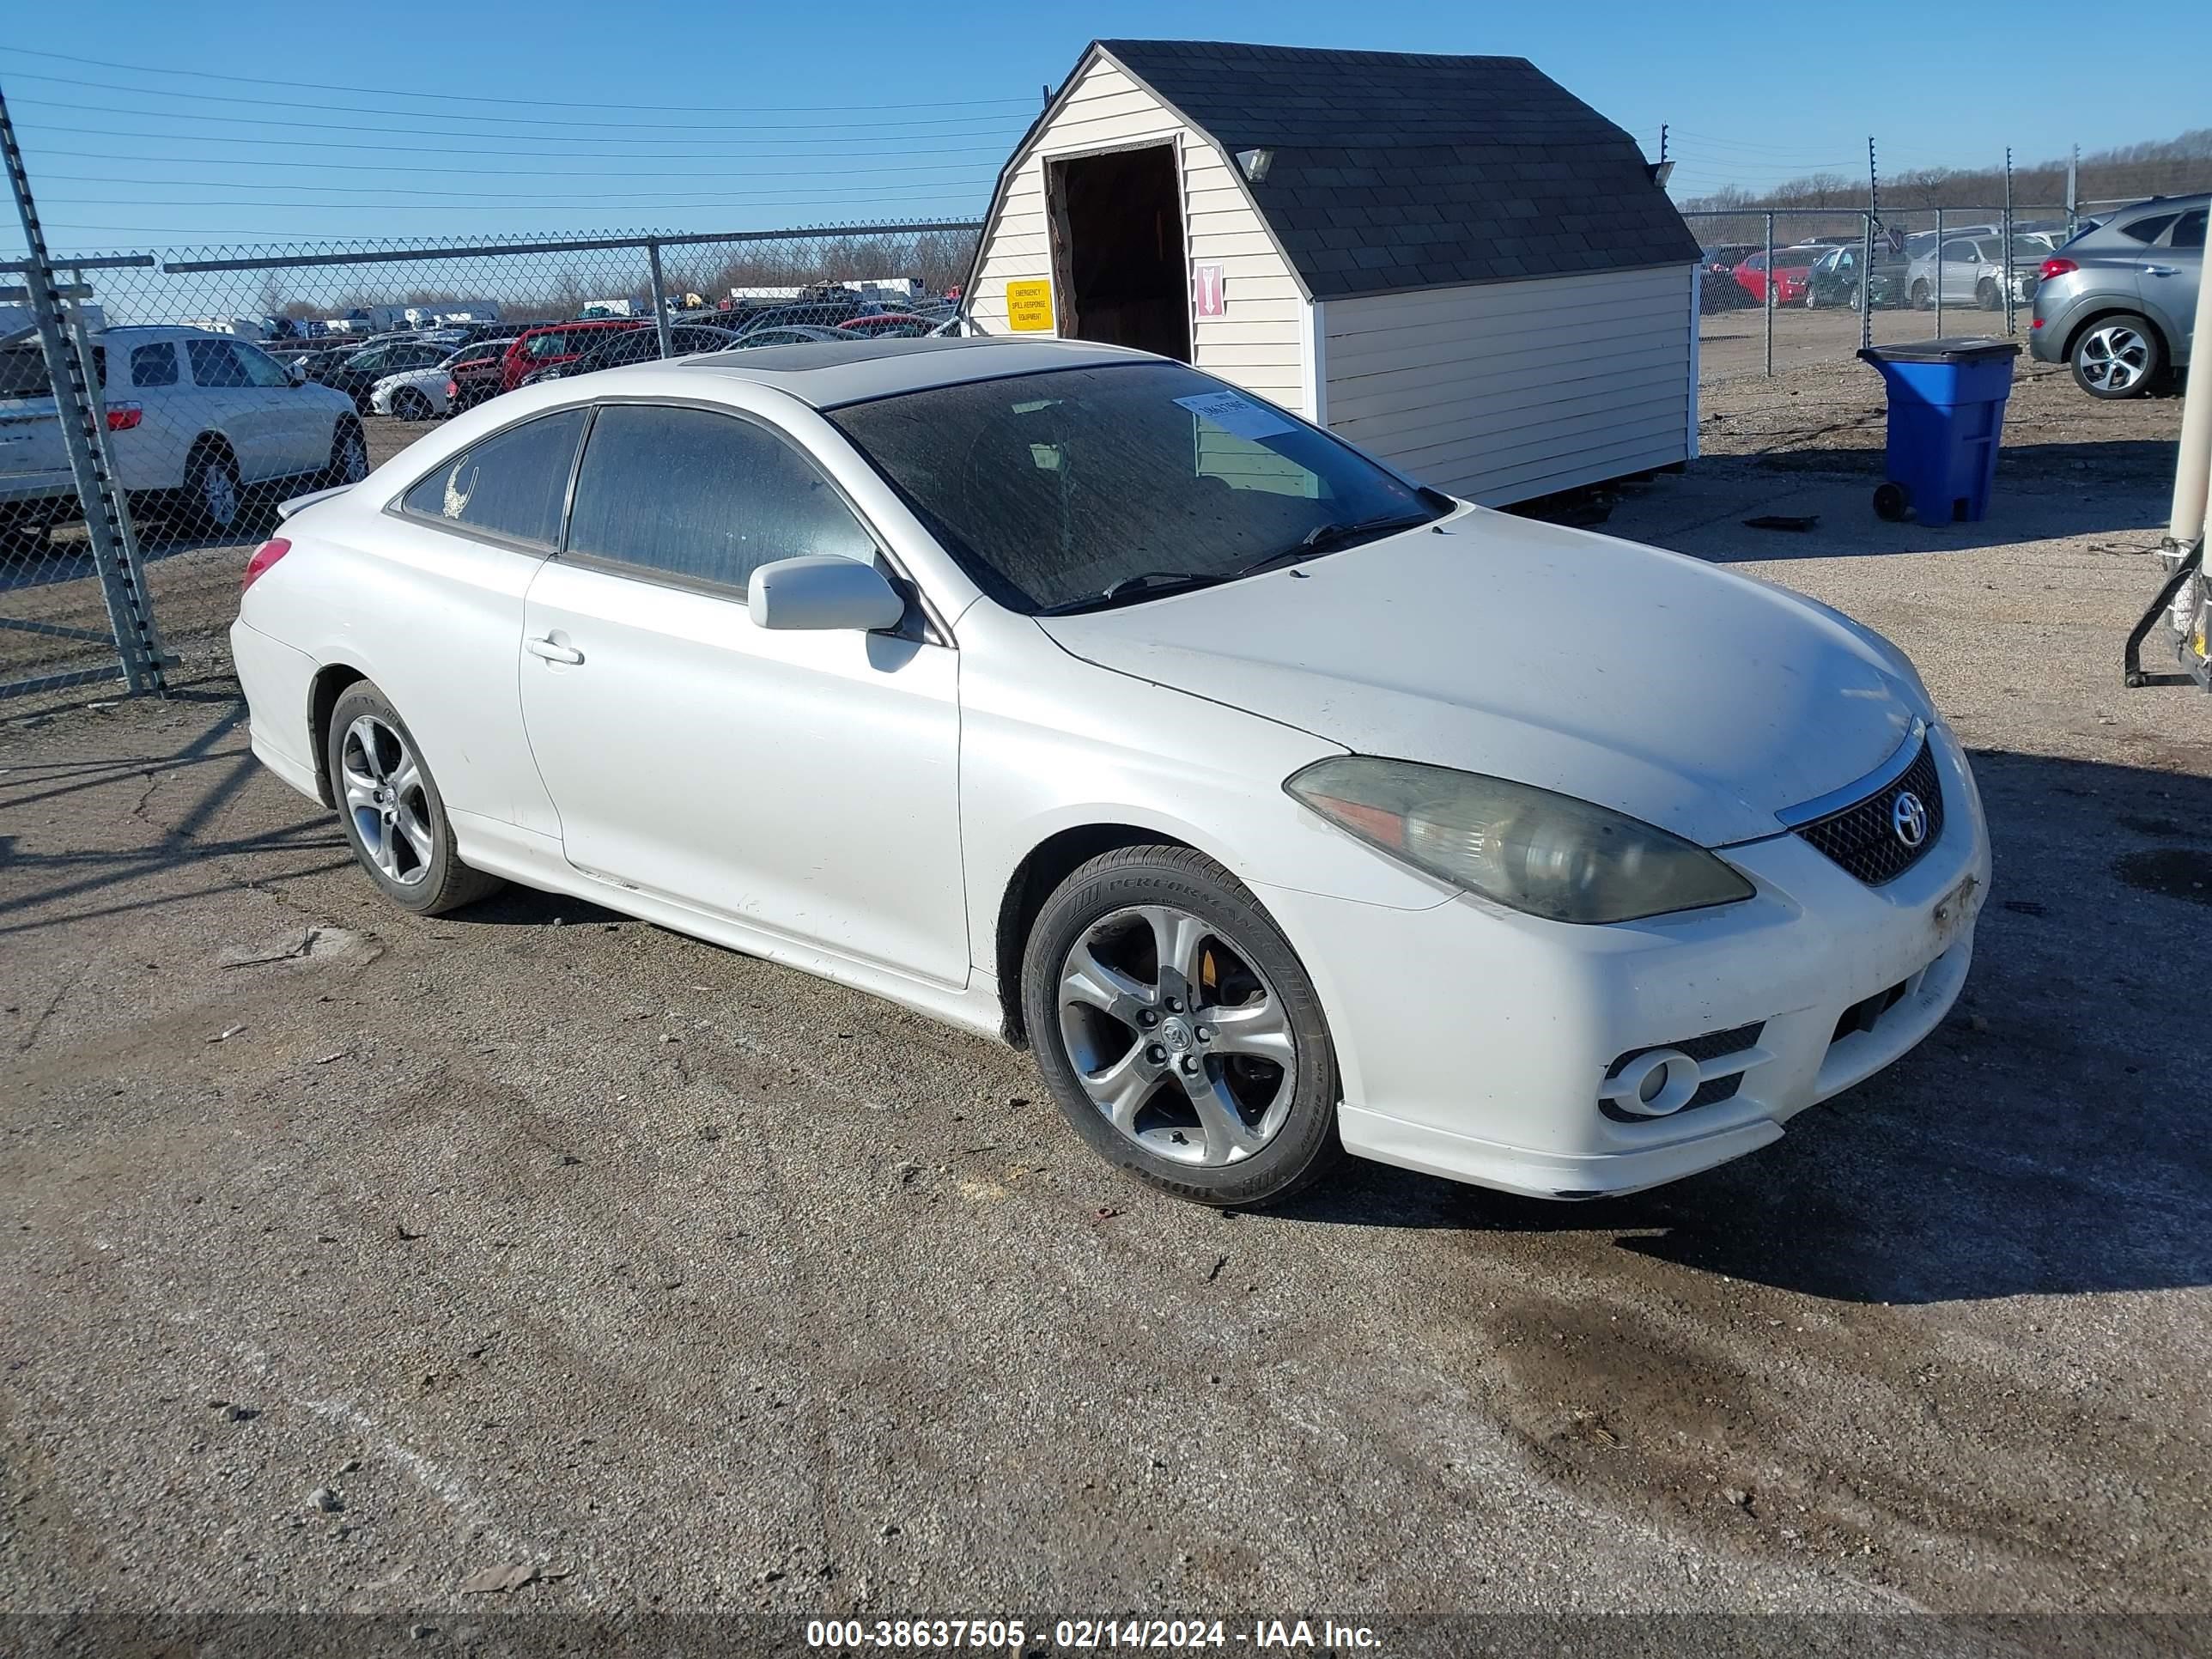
[1206, 290]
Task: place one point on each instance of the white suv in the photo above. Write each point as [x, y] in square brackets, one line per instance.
[198, 421]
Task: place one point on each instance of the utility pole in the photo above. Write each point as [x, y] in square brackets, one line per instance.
[2073, 189]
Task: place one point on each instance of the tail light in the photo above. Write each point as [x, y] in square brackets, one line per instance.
[452, 389]
[2057, 268]
[264, 556]
[121, 417]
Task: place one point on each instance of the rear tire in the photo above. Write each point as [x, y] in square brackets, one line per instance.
[1216, 1041]
[412, 405]
[395, 819]
[215, 501]
[2117, 356]
[1987, 296]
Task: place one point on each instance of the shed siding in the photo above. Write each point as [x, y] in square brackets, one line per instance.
[1506, 390]
[1255, 344]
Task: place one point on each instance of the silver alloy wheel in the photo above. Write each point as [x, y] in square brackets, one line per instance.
[353, 458]
[2113, 357]
[218, 494]
[384, 793]
[1178, 1036]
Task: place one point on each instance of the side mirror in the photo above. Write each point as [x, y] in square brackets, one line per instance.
[823, 593]
[296, 372]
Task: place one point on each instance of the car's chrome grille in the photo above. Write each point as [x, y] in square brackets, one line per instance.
[1864, 836]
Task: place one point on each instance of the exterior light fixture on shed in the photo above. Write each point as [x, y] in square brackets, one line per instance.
[1255, 163]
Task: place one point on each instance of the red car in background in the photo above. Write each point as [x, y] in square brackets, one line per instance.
[557, 342]
[1793, 269]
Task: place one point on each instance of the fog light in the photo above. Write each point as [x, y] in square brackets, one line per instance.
[1656, 1083]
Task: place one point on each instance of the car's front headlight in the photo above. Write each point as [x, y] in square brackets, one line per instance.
[1548, 855]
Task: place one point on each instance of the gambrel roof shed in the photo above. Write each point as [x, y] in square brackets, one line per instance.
[1399, 170]
[1451, 261]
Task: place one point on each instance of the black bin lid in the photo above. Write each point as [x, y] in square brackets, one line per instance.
[1960, 350]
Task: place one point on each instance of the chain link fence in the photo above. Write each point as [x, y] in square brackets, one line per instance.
[1780, 290]
[225, 381]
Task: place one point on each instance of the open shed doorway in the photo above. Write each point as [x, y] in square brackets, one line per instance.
[1118, 249]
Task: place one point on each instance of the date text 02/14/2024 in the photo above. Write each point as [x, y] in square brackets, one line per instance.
[1087, 1634]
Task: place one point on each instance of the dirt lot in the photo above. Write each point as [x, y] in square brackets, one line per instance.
[538, 1235]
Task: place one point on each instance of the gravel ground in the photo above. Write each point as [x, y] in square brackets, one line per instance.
[534, 1235]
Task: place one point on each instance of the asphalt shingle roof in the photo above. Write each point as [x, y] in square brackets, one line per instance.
[1398, 170]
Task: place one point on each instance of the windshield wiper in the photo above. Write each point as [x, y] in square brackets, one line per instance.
[1328, 538]
[1146, 581]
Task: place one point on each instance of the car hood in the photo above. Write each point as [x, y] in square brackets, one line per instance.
[1651, 683]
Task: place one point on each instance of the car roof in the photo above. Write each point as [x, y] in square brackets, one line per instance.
[149, 333]
[826, 375]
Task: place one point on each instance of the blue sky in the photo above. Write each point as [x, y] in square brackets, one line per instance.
[556, 117]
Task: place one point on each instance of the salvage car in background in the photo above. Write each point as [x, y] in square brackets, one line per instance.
[553, 345]
[195, 420]
[2118, 302]
[1786, 286]
[357, 373]
[424, 394]
[637, 345]
[1065, 694]
[1835, 279]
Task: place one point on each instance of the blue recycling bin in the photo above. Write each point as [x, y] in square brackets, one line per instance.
[1946, 400]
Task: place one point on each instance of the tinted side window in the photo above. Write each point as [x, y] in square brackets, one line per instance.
[2148, 229]
[214, 363]
[2189, 231]
[154, 365]
[511, 484]
[689, 493]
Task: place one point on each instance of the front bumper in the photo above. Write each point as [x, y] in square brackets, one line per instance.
[1473, 1040]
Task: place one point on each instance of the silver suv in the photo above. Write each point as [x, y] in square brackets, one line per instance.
[2118, 302]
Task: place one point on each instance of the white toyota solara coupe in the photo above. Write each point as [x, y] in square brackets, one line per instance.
[1061, 692]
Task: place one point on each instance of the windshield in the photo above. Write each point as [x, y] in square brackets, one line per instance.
[1117, 482]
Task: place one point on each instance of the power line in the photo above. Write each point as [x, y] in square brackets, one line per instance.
[967, 176]
[338, 126]
[501, 120]
[472, 98]
[472, 173]
[933, 193]
[471, 150]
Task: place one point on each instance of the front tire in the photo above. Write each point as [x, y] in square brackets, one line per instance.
[1923, 298]
[1178, 1032]
[1988, 296]
[394, 817]
[411, 405]
[348, 455]
[2117, 356]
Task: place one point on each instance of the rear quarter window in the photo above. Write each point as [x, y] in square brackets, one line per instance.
[513, 484]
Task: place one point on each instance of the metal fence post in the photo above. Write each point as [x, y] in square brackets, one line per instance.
[2005, 277]
[1866, 286]
[659, 296]
[76, 406]
[1768, 268]
[1936, 283]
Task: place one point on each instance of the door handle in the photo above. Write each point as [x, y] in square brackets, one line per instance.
[553, 651]
[2159, 271]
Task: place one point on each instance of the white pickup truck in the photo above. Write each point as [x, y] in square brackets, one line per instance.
[200, 425]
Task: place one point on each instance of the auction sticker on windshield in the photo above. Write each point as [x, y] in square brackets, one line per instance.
[1240, 417]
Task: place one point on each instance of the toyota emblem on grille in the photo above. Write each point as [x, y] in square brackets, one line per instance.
[1908, 816]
